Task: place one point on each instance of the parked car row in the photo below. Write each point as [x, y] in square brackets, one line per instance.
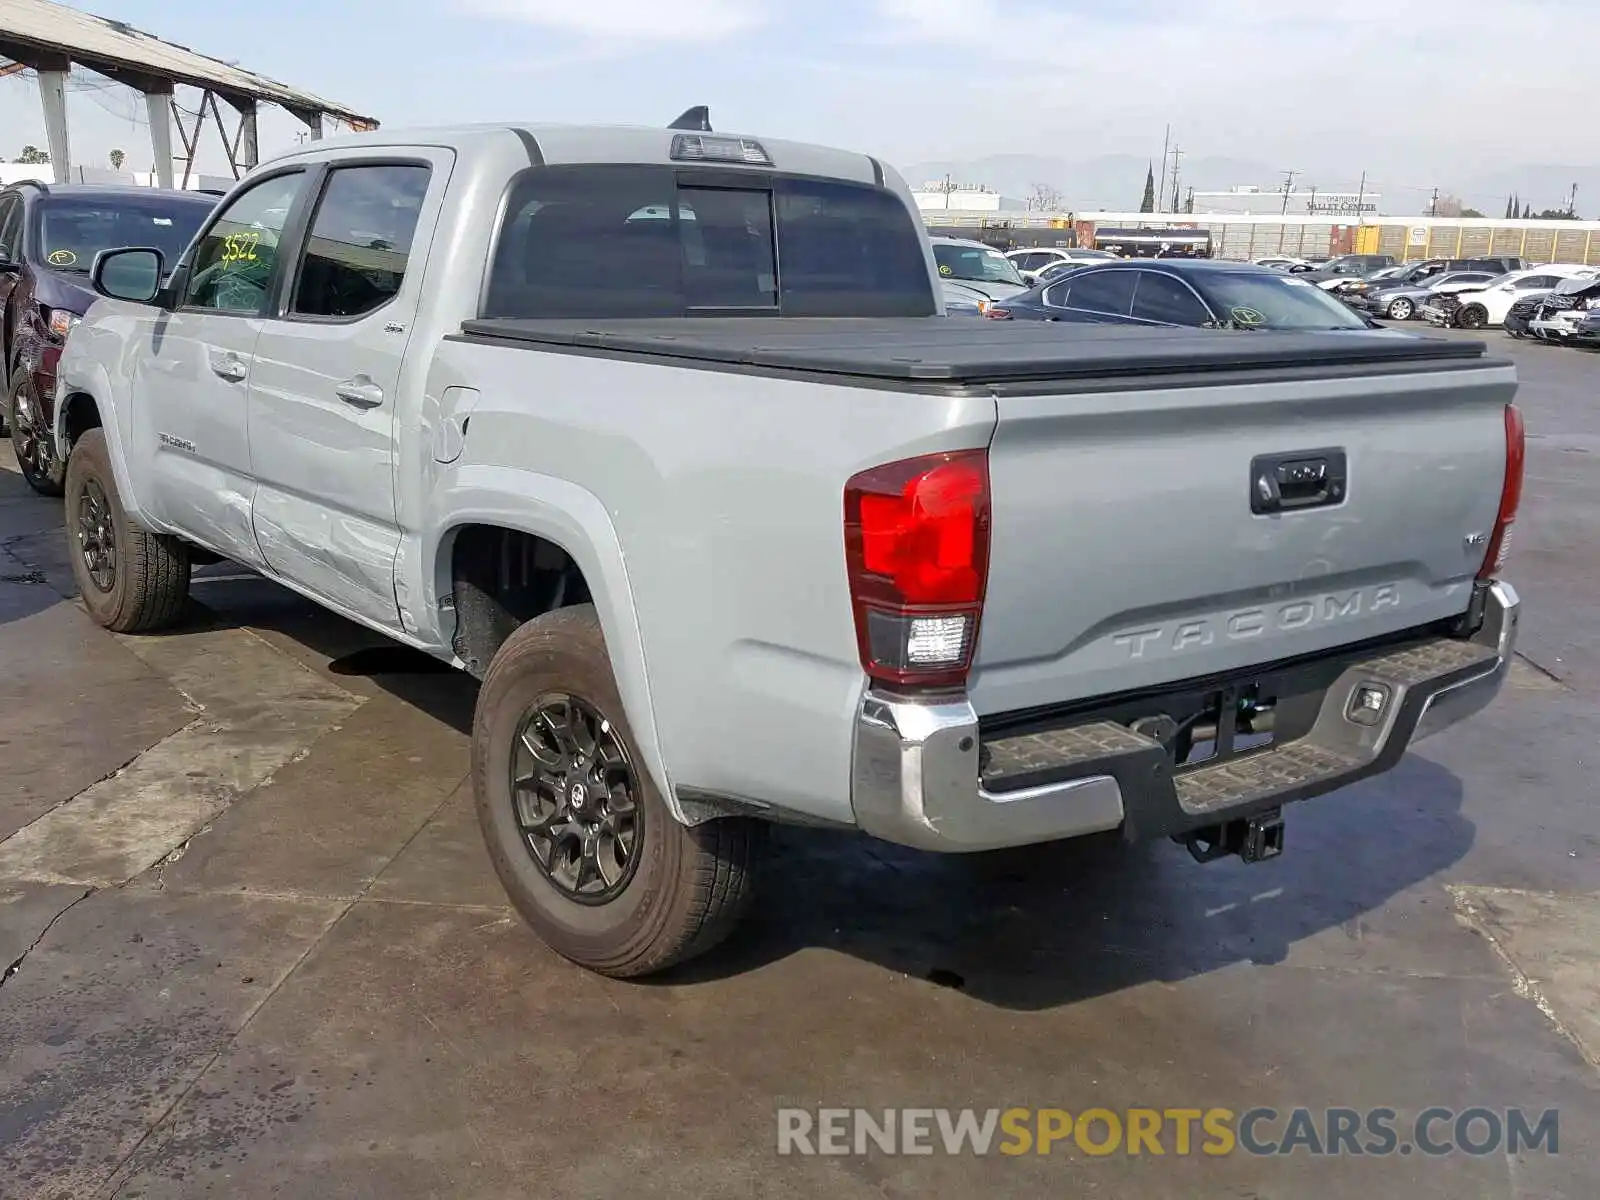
[1200, 293]
[1490, 303]
[1569, 313]
[49, 238]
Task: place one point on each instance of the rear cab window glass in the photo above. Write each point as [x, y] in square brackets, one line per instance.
[643, 241]
[355, 255]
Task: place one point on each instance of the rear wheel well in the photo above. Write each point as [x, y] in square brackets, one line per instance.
[500, 580]
[82, 415]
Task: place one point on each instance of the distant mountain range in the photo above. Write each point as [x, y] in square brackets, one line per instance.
[1116, 181]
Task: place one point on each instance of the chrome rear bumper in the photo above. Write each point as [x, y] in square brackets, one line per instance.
[918, 776]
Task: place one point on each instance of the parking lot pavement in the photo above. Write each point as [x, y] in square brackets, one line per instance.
[259, 950]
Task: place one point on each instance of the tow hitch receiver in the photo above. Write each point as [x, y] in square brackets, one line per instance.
[1254, 839]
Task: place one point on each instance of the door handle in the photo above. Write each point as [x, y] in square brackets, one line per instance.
[1307, 479]
[229, 366]
[359, 392]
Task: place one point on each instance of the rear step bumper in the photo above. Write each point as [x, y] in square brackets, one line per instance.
[924, 775]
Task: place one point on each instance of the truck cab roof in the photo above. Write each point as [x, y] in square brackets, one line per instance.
[558, 144]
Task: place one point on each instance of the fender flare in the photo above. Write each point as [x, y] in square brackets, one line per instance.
[573, 518]
[72, 393]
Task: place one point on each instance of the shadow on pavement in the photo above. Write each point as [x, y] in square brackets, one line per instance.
[1028, 929]
[1052, 925]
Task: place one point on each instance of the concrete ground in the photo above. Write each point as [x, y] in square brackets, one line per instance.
[256, 948]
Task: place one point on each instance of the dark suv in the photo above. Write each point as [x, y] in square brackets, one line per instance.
[49, 237]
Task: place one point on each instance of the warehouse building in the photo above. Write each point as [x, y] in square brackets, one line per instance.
[1250, 200]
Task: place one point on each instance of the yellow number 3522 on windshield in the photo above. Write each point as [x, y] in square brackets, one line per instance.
[240, 247]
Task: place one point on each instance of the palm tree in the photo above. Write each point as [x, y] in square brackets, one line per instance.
[117, 159]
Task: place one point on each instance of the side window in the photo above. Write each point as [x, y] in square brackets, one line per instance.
[236, 260]
[1059, 296]
[360, 239]
[11, 228]
[1163, 298]
[1537, 282]
[1104, 291]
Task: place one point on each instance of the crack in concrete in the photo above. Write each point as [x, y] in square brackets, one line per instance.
[113, 1186]
[1540, 667]
[1528, 988]
[16, 964]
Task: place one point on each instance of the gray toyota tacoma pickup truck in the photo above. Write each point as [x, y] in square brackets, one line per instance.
[660, 434]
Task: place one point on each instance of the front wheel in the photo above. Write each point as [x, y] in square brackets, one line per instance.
[131, 580]
[1400, 310]
[31, 440]
[579, 834]
[1473, 316]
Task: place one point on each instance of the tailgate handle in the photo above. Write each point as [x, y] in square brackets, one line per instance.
[1302, 479]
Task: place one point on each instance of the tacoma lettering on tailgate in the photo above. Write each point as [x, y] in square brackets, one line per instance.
[1245, 623]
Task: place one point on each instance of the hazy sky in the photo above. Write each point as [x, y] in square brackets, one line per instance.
[1411, 90]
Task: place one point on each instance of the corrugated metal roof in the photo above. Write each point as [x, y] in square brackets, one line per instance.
[100, 42]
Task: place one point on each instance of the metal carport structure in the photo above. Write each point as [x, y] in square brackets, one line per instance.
[51, 39]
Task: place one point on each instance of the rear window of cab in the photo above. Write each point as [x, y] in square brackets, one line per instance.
[594, 242]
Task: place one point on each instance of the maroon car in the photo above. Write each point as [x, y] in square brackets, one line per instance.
[49, 236]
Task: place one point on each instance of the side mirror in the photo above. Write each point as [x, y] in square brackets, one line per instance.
[132, 273]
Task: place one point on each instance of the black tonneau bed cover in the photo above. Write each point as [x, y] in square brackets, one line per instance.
[966, 351]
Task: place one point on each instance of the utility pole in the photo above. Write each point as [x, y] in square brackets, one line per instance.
[1288, 186]
[1361, 196]
[1161, 189]
[1572, 202]
[1176, 155]
[1433, 205]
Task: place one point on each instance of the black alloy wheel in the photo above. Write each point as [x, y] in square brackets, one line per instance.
[576, 798]
[31, 441]
[97, 536]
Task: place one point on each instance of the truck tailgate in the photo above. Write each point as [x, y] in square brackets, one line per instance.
[1126, 552]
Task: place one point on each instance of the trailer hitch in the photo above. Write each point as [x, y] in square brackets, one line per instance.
[1254, 839]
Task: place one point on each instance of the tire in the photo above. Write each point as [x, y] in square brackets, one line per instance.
[682, 889]
[1473, 316]
[1400, 310]
[145, 586]
[34, 447]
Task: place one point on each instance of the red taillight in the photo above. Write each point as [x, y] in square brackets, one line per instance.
[916, 537]
[1494, 560]
[994, 311]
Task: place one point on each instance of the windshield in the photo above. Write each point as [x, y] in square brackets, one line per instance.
[1386, 273]
[73, 229]
[977, 263]
[1252, 300]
